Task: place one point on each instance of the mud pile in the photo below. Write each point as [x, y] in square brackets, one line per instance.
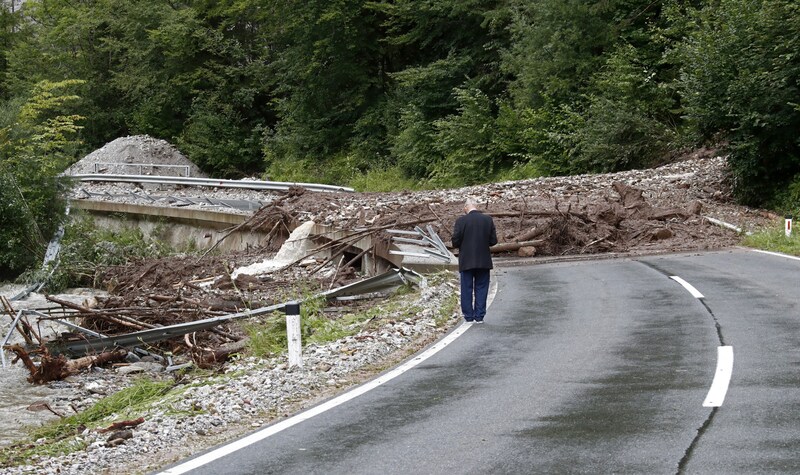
[659, 210]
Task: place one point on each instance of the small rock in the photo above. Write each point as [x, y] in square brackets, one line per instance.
[662, 233]
[119, 437]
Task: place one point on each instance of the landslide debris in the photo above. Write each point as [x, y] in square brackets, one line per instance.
[658, 210]
[666, 209]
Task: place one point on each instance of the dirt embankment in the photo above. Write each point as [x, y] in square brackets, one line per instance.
[658, 210]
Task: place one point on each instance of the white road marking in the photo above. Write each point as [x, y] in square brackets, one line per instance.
[314, 411]
[687, 286]
[777, 254]
[722, 377]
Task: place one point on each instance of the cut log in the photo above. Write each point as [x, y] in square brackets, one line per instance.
[73, 366]
[531, 234]
[514, 246]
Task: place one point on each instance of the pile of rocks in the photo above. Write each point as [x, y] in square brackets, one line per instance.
[137, 155]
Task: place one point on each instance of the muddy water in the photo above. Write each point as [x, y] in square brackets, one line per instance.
[17, 395]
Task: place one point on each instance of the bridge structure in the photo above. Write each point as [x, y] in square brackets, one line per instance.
[200, 222]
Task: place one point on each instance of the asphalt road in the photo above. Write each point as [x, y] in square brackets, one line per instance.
[583, 367]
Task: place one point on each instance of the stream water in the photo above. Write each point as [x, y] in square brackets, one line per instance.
[22, 403]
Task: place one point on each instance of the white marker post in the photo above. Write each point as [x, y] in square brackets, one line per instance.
[293, 333]
[788, 225]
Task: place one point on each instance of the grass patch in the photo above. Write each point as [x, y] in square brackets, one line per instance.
[446, 310]
[774, 240]
[384, 179]
[57, 438]
[268, 336]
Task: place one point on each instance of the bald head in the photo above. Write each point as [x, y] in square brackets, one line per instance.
[470, 205]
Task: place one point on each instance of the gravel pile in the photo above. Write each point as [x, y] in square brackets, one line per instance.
[137, 155]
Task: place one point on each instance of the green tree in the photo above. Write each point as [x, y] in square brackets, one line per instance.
[329, 59]
[437, 52]
[597, 72]
[57, 41]
[8, 26]
[171, 70]
[625, 121]
[741, 82]
[34, 149]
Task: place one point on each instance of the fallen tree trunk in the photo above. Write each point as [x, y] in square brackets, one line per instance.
[514, 246]
[53, 368]
[106, 357]
[531, 234]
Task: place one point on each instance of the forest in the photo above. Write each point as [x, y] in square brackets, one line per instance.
[392, 94]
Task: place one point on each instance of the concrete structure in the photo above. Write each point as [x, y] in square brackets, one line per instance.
[184, 228]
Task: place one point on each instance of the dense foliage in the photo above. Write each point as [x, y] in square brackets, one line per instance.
[382, 93]
[36, 138]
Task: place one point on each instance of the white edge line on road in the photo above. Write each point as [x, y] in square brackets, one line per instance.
[687, 286]
[722, 377]
[777, 254]
[314, 411]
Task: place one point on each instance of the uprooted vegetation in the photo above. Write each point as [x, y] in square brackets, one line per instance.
[664, 210]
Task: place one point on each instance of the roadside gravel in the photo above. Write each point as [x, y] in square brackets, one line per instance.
[248, 394]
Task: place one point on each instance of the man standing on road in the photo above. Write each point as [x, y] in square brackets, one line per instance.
[473, 234]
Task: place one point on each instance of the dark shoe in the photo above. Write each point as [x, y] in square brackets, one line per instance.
[469, 320]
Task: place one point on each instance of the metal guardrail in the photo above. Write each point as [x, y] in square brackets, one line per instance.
[178, 201]
[211, 182]
[93, 343]
[141, 166]
[429, 243]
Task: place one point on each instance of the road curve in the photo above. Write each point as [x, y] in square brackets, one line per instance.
[582, 367]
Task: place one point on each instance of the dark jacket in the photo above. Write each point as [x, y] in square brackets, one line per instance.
[473, 234]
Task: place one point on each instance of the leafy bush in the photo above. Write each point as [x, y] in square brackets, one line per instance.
[741, 78]
[786, 200]
[36, 143]
[384, 179]
[85, 248]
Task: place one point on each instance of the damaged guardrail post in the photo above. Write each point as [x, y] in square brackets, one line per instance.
[293, 336]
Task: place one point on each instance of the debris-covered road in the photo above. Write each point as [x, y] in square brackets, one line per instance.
[678, 207]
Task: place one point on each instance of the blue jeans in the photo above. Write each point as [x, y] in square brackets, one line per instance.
[474, 282]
